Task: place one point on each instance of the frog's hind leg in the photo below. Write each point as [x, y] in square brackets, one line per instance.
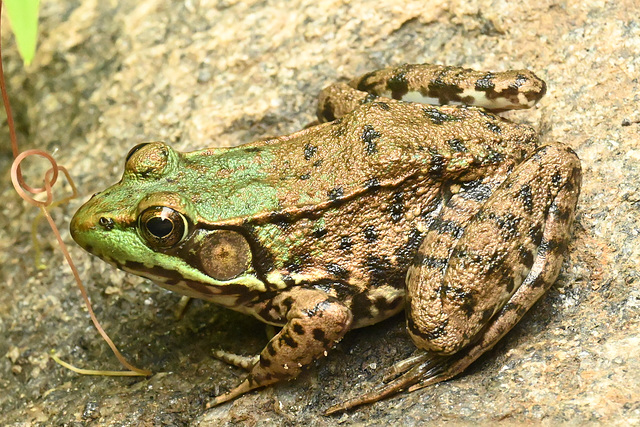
[509, 254]
[435, 85]
[442, 85]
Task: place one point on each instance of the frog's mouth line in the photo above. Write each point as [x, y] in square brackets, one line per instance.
[172, 280]
[169, 279]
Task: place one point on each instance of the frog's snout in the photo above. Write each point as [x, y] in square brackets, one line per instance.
[86, 222]
[79, 226]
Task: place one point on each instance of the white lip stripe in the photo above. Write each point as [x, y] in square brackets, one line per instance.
[479, 100]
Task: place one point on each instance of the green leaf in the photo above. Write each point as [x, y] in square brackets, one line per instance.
[23, 15]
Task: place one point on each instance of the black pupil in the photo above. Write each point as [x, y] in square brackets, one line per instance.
[160, 227]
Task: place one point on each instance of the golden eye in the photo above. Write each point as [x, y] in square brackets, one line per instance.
[162, 227]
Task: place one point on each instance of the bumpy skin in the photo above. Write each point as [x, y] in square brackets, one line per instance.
[450, 212]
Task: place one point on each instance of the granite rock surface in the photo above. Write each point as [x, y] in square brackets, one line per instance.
[108, 75]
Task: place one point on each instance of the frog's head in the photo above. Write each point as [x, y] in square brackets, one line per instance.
[148, 224]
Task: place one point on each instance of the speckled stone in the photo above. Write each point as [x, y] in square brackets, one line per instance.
[109, 75]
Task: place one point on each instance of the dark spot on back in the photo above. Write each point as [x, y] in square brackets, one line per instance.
[446, 226]
[410, 248]
[319, 233]
[457, 145]
[437, 117]
[370, 233]
[337, 271]
[397, 206]
[369, 98]
[468, 307]
[494, 128]
[310, 151]
[345, 243]
[526, 196]
[431, 262]
[437, 165]
[476, 191]
[381, 272]
[369, 135]
[508, 224]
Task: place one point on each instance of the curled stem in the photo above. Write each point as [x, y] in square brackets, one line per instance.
[27, 193]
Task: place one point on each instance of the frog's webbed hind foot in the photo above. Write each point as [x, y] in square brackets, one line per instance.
[420, 370]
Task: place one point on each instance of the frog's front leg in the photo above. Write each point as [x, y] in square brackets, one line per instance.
[315, 322]
[471, 284]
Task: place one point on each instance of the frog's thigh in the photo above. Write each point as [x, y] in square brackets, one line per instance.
[315, 322]
[509, 255]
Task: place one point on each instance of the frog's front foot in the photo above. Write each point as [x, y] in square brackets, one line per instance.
[245, 362]
[315, 322]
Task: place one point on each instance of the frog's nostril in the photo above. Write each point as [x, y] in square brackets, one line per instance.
[106, 223]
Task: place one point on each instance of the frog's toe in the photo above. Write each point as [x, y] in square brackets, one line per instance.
[241, 389]
[245, 362]
[422, 369]
[403, 366]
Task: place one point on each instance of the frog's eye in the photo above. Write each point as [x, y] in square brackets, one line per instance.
[162, 227]
[149, 160]
[134, 150]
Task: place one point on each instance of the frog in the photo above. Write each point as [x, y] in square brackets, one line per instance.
[410, 192]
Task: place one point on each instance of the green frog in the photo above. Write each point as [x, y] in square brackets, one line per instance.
[388, 202]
